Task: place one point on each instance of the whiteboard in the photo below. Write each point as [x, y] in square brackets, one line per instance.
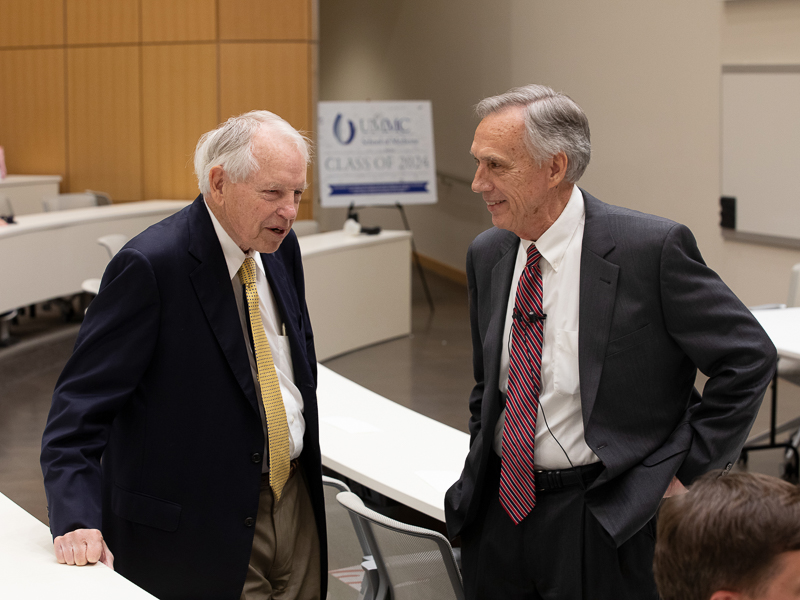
[761, 148]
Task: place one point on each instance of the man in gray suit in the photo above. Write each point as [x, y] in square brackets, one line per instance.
[589, 323]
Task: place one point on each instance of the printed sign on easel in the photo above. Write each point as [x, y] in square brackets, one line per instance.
[376, 153]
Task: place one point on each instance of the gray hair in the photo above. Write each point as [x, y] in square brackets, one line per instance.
[231, 146]
[553, 122]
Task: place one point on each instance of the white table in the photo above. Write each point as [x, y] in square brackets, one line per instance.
[28, 567]
[389, 448]
[358, 288]
[26, 191]
[783, 328]
[48, 255]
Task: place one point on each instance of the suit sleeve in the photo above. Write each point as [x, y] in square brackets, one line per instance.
[112, 352]
[725, 342]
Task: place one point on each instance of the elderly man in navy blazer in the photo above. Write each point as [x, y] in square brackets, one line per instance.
[183, 434]
[589, 323]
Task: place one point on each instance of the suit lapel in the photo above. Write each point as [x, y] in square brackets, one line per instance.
[598, 290]
[502, 274]
[290, 313]
[215, 293]
[278, 283]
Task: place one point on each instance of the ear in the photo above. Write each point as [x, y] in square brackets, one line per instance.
[558, 169]
[217, 181]
[726, 595]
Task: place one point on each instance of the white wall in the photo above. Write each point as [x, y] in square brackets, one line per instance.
[647, 74]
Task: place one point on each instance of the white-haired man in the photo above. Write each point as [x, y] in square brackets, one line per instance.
[183, 434]
[589, 323]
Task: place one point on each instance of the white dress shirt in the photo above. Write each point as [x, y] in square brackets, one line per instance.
[278, 342]
[559, 438]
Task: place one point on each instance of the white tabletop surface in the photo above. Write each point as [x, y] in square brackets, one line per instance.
[389, 448]
[15, 180]
[61, 247]
[338, 240]
[28, 567]
[783, 328]
[76, 216]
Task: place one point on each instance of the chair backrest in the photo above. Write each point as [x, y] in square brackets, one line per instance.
[68, 201]
[347, 549]
[416, 563]
[102, 198]
[113, 242]
[794, 287]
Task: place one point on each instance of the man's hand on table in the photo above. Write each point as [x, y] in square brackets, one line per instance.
[81, 547]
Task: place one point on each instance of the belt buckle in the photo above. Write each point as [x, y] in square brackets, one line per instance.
[548, 480]
[543, 481]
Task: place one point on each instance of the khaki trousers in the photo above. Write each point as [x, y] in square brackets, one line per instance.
[284, 562]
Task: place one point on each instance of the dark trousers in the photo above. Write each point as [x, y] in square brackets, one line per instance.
[558, 552]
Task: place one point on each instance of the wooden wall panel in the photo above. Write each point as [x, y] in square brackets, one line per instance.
[306, 210]
[179, 20]
[177, 109]
[271, 76]
[105, 121]
[102, 21]
[32, 111]
[31, 23]
[265, 19]
[113, 94]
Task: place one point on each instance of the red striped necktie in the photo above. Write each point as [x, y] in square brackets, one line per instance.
[517, 480]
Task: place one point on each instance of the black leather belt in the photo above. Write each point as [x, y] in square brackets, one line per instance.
[565, 478]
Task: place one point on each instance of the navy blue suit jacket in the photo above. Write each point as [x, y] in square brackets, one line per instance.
[154, 435]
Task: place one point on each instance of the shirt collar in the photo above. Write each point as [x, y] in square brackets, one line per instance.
[553, 243]
[234, 257]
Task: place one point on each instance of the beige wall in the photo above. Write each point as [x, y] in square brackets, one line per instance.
[759, 32]
[647, 74]
[113, 96]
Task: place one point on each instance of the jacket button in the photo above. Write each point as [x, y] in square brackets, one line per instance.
[249, 522]
[256, 458]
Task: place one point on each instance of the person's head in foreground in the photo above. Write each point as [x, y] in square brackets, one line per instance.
[735, 537]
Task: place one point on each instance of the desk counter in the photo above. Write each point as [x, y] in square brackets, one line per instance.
[48, 255]
[25, 192]
[358, 289]
[28, 566]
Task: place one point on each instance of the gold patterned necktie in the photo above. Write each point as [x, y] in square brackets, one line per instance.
[277, 428]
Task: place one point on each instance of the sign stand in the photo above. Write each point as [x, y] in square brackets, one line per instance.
[380, 153]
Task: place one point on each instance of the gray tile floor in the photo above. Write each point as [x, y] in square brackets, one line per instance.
[28, 373]
[430, 372]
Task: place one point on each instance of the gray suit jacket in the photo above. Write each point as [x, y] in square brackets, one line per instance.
[651, 314]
